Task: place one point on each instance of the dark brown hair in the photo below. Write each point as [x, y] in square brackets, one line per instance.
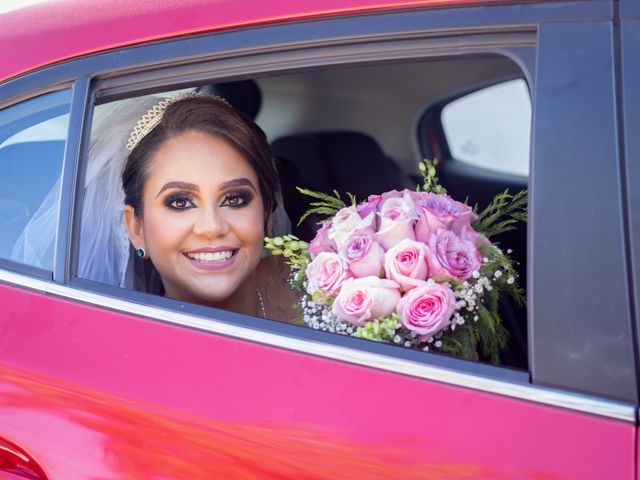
[209, 115]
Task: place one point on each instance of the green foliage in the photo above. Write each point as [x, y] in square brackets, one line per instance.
[428, 171]
[296, 253]
[321, 296]
[507, 281]
[463, 341]
[502, 214]
[381, 329]
[326, 204]
[487, 332]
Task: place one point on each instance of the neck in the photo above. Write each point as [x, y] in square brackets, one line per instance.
[243, 300]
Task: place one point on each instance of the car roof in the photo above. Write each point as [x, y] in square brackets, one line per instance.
[55, 30]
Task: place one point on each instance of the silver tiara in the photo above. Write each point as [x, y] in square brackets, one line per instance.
[154, 115]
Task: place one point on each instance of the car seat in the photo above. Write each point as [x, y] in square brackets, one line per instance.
[342, 160]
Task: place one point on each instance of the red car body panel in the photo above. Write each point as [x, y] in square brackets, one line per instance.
[77, 27]
[117, 396]
[91, 393]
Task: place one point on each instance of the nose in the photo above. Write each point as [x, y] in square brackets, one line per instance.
[210, 222]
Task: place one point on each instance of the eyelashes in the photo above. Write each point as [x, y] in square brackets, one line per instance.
[180, 201]
[237, 199]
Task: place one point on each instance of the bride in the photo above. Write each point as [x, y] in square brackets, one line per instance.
[200, 190]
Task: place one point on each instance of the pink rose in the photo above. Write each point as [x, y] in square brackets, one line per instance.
[321, 242]
[452, 256]
[346, 221]
[326, 273]
[397, 217]
[364, 255]
[363, 299]
[406, 263]
[427, 309]
[440, 211]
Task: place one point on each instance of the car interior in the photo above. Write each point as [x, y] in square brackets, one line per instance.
[363, 129]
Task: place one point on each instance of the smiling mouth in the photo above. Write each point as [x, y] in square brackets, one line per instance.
[210, 257]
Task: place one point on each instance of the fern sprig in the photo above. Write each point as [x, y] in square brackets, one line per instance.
[327, 204]
[502, 214]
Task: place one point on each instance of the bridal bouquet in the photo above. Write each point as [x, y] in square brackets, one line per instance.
[414, 268]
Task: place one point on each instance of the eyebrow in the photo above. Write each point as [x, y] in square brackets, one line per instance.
[179, 185]
[236, 182]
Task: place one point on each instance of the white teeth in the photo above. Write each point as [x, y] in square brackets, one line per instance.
[210, 256]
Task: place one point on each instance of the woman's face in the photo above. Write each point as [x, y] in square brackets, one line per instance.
[202, 223]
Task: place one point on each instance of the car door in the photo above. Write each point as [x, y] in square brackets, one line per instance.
[99, 381]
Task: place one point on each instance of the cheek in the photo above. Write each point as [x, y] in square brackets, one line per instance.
[164, 232]
[249, 227]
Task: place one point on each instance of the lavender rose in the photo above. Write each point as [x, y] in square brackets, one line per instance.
[452, 256]
[364, 255]
[363, 299]
[370, 206]
[321, 242]
[427, 309]
[440, 212]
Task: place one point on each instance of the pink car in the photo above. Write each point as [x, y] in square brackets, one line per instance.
[101, 381]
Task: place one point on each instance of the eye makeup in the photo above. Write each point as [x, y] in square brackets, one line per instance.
[238, 198]
[179, 201]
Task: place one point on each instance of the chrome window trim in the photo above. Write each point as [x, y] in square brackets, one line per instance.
[532, 393]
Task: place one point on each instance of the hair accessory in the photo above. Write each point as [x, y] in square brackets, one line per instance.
[154, 115]
[140, 253]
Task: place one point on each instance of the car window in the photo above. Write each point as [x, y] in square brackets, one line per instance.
[32, 144]
[490, 128]
[325, 133]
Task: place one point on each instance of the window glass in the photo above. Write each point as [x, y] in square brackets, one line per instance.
[490, 128]
[330, 130]
[32, 142]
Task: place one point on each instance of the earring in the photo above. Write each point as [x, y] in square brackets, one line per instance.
[140, 253]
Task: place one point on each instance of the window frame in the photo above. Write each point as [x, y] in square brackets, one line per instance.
[363, 51]
[164, 78]
[128, 69]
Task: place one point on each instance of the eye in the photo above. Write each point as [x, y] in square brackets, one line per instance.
[179, 202]
[237, 199]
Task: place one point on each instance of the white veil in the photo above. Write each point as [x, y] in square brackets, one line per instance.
[105, 252]
[104, 245]
[35, 245]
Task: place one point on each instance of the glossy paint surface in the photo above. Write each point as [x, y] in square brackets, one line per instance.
[116, 396]
[79, 27]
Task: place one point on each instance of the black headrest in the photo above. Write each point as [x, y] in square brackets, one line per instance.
[242, 94]
[345, 161]
[358, 165]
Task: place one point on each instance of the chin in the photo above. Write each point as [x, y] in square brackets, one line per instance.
[213, 295]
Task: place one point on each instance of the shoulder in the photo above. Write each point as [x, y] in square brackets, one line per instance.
[272, 277]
